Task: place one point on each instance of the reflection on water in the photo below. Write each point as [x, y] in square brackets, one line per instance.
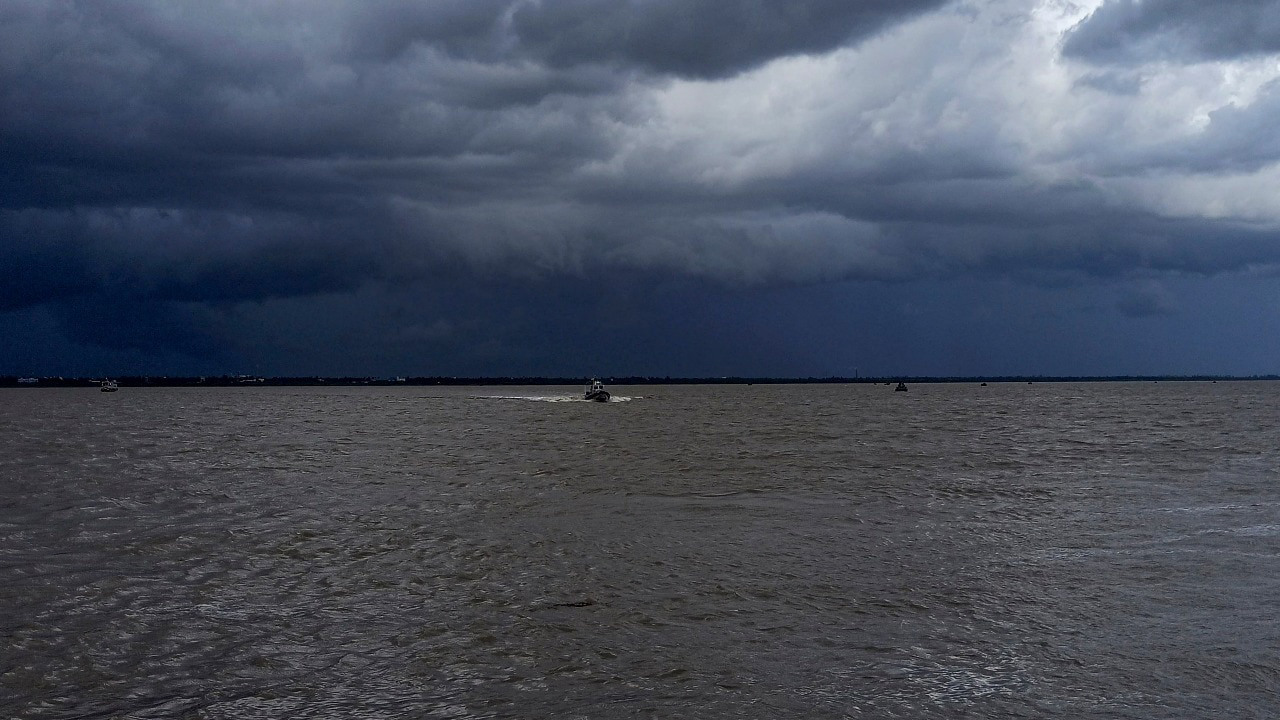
[766, 551]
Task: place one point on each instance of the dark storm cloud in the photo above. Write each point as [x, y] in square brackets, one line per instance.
[234, 152]
[1236, 138]
[189, 329]
[1147, 300]
[496, 174]
[689, 38]
[697, 38]
[1127, 31]
[176, 255]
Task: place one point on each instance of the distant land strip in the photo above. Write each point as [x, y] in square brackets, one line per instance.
[260, 381]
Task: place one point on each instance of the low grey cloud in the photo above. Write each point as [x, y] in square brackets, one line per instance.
[1118, 83]
[1128, 31]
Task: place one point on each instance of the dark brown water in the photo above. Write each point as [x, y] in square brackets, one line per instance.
[1037, 551]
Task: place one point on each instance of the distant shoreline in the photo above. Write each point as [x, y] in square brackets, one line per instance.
[14, 381]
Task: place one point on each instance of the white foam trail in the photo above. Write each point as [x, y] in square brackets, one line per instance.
[552, 398]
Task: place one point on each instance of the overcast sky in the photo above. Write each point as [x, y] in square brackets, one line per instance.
[660, 187]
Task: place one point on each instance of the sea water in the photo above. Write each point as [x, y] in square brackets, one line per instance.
[819, 551]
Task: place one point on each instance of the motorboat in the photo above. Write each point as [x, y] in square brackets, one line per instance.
[109, 386]
[902, 387]
[595, 392]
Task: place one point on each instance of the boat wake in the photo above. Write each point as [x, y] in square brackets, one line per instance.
[553, 398]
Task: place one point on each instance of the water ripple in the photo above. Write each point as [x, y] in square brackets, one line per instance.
[802, 551]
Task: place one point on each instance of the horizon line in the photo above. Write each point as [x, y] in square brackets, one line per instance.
[242, 380]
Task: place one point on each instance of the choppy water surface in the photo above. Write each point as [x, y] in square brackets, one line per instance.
[1048, 550]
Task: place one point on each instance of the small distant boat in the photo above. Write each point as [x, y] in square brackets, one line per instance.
[902, 387]
[596, 392]
[109, 386]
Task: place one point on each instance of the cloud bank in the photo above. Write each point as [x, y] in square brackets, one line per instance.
[224, 158]
[1131, 31]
